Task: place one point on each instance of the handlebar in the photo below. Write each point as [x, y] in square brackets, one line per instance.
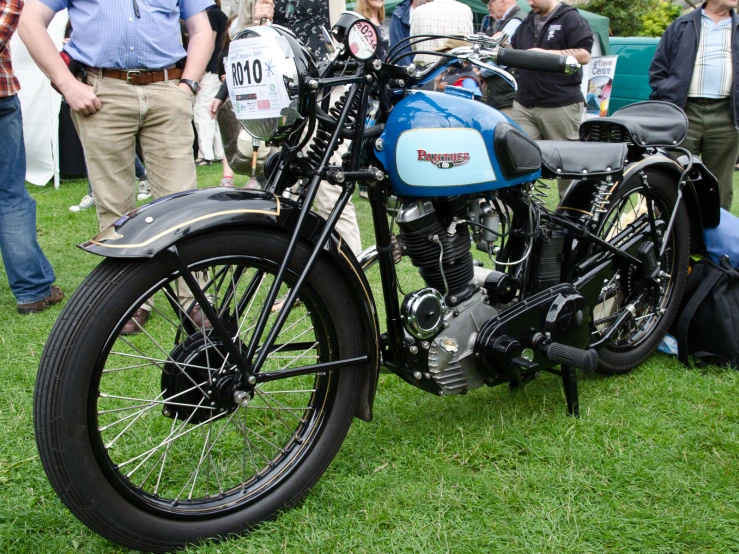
[484, 49]
[537, 61]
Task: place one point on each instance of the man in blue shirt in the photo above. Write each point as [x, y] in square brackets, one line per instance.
[134, 90]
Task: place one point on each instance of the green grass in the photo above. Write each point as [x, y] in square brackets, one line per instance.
[651, 466]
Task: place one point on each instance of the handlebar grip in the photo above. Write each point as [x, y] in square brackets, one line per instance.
[535, 61]
[587, 360]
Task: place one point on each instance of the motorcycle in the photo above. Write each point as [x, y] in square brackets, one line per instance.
[264, 340]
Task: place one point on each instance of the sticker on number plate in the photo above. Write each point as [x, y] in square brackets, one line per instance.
[254, 79]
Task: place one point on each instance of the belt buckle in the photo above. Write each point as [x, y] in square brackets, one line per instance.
[131, 73]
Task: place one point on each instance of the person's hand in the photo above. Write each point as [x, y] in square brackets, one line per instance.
[538, 50]
[186, 88]
[214, 106]
[80, 97]
[223, 78]
[264, 9]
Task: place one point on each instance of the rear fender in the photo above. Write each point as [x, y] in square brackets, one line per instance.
[701, 194]
[152, 228]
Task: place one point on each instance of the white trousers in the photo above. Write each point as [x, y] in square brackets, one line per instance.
[210, 146]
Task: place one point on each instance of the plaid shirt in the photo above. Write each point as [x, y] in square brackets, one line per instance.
[440, 17]
[10, 11]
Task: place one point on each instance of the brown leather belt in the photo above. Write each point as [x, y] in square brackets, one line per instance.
[139, 76]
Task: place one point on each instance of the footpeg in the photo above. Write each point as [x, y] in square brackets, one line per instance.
[586, 360]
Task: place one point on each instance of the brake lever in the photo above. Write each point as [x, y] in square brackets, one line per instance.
[495, 69]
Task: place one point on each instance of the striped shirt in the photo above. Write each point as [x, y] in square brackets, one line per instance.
[713, 73]
[127, 34]
[10, 11]
[440, 17]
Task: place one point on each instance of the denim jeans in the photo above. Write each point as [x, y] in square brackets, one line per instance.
[139, 167]
[29, 272]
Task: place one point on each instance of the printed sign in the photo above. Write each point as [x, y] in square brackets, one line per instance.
[254, 79]
[598, 84]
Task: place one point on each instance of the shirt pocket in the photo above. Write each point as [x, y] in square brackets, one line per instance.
[166, 6]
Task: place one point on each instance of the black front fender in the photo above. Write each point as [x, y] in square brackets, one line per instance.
[150, 229]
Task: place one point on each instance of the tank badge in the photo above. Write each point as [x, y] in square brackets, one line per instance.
[444, 161]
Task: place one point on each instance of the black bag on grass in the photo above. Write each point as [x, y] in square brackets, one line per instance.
[708, 324]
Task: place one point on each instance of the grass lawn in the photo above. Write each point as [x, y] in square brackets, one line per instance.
[651, 466]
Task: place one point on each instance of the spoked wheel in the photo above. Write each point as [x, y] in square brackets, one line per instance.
[142, 436]
[655, 305]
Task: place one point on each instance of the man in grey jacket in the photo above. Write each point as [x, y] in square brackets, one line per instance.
[695, 68]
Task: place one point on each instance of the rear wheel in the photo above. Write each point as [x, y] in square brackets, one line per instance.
[658, 304]
[140, 434]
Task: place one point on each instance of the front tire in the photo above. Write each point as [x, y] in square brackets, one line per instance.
[133, 432]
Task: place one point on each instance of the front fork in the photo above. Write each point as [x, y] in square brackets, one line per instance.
[249, 364]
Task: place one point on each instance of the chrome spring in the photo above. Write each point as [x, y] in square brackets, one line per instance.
[601, 197]
[322, 138]
[338, 106]
[540, 193]
[318, 146]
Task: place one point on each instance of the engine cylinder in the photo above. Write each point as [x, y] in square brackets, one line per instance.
[423, 233]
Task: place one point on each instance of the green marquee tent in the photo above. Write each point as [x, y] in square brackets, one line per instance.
[598, 23]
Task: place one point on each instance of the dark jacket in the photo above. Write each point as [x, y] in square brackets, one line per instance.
[672, 67]
[487, 25]
[567, 29]
[498, 92]
[400, 28]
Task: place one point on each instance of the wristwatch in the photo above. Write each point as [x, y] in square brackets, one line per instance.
[194, 85]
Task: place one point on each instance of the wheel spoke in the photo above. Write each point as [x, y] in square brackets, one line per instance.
[167, 441]
[265, 395]
[162, 458]
[169, 358]
[154, 361]
[166, 402]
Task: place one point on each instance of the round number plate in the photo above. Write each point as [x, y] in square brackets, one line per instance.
[362, 40]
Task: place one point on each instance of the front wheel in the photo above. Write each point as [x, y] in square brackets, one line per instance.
[140, 435]
[658, 305]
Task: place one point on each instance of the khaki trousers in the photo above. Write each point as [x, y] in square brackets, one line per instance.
[159, 118]
[713, 136]
[559, 123]
[346, 225]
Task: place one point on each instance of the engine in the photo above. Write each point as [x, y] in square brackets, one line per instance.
[451, 356]
[454, 306]
[443, 259]
[467, 318]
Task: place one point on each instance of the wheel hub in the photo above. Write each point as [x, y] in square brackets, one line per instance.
[197, 382]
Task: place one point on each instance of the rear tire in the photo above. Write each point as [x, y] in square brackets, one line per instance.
[104, 402]
[626, 351]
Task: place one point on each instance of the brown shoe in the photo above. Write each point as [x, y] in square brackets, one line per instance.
[199, 318]
[54, 298]
[140, 316]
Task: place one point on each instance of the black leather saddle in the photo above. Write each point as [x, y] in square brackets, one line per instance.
[566, 159]
[652, 123]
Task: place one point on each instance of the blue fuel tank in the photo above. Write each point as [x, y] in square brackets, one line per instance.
[437, 144]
